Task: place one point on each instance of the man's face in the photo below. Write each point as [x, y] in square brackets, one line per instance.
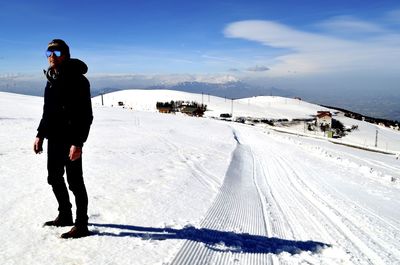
[55, 58]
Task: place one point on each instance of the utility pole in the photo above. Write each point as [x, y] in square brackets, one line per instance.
[232, 108]
[376, 138]
[102, 102]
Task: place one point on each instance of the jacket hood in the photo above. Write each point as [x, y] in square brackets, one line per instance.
[71, 66]
[76, 66]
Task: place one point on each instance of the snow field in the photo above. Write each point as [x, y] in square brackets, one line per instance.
[143, 171]
[170, 189]
[317, 196]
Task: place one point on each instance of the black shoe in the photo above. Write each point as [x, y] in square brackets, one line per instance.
[76, 232]
[60, 221]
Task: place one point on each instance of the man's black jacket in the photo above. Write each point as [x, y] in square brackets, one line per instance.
[67, 111]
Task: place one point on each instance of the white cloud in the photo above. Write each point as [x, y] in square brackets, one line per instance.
[276, 35]
[8, 78]
[147, 80]
[311, 53]
[350, 24]
[258, 68]
[215, 58]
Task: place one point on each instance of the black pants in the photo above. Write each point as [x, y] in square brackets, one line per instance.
[57, 163]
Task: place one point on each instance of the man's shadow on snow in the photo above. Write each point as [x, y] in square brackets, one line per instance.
[216, 240]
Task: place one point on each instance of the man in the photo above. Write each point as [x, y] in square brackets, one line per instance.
[66, 120]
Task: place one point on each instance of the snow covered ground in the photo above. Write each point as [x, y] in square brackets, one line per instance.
[171, 189]
[260, 107]
[269, 107]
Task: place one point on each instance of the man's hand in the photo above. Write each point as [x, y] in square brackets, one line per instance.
[75, 152]
[38, 145]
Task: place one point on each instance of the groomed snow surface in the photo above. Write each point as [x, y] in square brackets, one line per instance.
[171, 189]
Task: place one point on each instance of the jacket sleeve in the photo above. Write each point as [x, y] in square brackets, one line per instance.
[82, 114]
[42, 130]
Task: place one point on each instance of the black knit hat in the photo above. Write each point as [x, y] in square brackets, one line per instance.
[60, 45]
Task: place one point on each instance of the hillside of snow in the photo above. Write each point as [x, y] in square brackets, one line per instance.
[172, 189]
[264, 107]
[259, 107]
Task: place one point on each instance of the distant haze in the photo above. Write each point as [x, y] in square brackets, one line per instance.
[380, 105]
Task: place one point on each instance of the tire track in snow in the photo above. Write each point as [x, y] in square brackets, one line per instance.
[310, 211]
[275, 218]
[355, 226]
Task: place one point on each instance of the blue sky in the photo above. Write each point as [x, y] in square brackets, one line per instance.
[302, 45]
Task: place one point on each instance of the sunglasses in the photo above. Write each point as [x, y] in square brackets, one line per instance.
[56, 53]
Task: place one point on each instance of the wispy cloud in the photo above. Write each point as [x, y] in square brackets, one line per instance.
[258, 68]
[216, 58]
[13, 77]
[350, 24]
[393, 16]
[134, 80]
[310, 52]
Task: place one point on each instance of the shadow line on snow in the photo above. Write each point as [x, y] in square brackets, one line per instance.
[216, 240]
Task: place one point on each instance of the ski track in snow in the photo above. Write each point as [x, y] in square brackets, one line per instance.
[239, 213]
[268, 195]
[237, 208]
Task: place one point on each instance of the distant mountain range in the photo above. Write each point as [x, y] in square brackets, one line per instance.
[384, 106]
[233, 90]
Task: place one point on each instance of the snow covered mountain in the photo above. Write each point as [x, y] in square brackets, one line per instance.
[173, 189]
[263, 107]
[235, 89]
